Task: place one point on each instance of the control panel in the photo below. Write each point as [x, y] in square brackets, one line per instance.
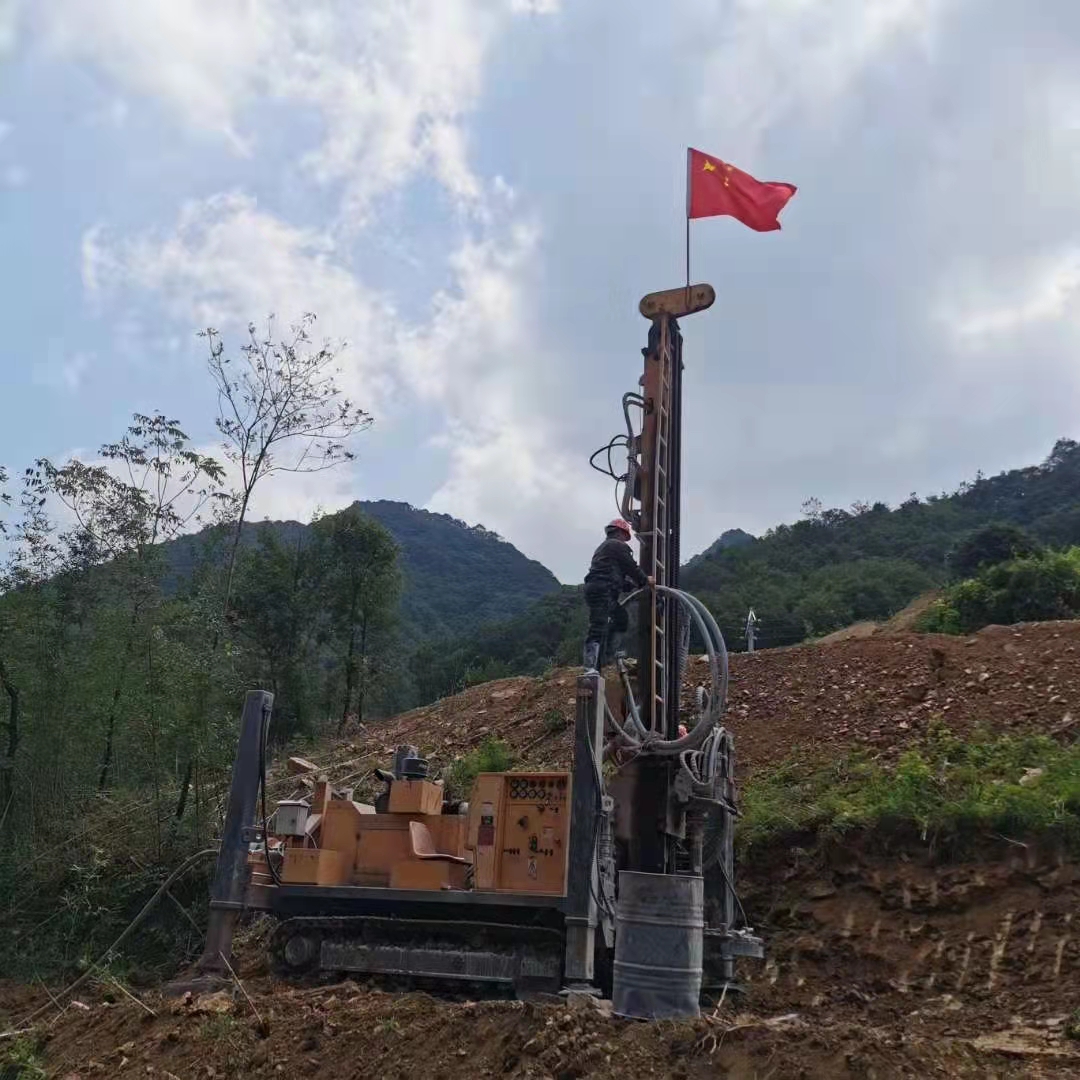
[535, 835]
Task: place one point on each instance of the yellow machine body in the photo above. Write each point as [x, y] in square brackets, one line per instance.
[515, 838]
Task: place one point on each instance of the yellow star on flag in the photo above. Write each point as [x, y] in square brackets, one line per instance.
[708, 167]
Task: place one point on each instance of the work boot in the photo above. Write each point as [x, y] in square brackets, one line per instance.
[592, 657]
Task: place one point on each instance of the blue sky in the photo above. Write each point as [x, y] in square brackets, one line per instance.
[476, 193]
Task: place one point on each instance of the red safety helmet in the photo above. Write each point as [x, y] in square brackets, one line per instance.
[621, 526]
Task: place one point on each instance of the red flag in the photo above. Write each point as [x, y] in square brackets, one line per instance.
[713, 187]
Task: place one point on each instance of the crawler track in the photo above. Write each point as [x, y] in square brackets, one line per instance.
[489, 959]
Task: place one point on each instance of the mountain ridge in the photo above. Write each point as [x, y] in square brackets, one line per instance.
[456, 576]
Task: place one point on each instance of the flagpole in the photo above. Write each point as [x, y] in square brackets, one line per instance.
[688, 155]
[688, 251]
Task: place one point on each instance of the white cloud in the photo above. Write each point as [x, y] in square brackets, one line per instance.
[508, 466]
[390, 80]
[778, 57]
[474, 359]
[1042, 290]
[536, 7]
[227, 261]
[200, 58]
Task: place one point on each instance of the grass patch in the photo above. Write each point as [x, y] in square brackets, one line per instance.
[943, 790]
[492, 755]
[22, 1060]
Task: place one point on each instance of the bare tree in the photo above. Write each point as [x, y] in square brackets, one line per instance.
[280, 409]
[5, 498]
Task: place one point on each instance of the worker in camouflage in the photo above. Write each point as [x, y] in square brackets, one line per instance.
[613, 569]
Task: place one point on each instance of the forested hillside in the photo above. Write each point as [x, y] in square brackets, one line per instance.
[828, 570]
[835, 567]
[455, 577]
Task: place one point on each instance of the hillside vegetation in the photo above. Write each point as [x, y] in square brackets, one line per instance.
[138, 601]
[936, 736]
[835, 567]
[830, 569]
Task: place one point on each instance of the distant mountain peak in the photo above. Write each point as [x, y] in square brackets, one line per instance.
[729, 538]
[456, 576]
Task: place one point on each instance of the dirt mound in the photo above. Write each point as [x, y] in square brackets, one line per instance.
[879, 693]
[882, 692]
[346, 1031]
[900, 933]
[906, 618]
[534, 717]
[849, 633]
[902, 621]
[879, 964]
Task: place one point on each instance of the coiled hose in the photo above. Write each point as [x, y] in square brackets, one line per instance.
[636, 736]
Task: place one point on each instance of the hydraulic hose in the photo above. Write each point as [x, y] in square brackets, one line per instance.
[624, 736]
[635, 716]
[684, 646]
[694, 738]
[718, 671]
[626, 502]
[718, 674]
[718, 637]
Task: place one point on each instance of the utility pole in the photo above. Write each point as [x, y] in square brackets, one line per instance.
[751, 628]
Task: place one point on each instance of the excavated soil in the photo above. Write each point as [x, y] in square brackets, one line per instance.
[880, 965]
[883, 960]
[877, 693]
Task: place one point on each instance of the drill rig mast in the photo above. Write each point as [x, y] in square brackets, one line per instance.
[674, 796]
[654, 462]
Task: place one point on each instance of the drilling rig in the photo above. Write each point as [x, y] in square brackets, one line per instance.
[590, 879]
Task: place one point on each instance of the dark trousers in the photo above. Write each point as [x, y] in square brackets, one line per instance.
[606, 615]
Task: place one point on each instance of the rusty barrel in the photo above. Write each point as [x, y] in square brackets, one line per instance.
[659, 924]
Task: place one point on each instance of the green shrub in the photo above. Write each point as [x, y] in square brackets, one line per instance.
[992, 544]
[492, 755]
[1036, 587]
[22, 1060]
[555, 721]
[946, 788]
